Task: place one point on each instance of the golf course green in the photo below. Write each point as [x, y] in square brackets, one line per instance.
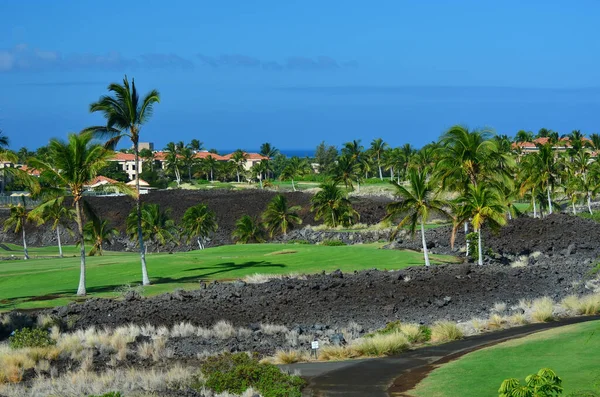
[571, 351]
[46, 282]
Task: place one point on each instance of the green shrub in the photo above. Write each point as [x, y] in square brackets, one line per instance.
[389, 328]
[28, 337]
[332, 243]
[425, 332]
[543, 384]
[237, 372]
[302, 242]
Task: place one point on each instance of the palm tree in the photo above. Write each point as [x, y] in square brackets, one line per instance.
[200, 222]
[188, 160]
[97, 232]
[260, 168]
[248, 230]
[346, 171]
[268, 150]
[239, 159]
[378, 148]
[332, 206]
[295, 168]
[543, 171]
[209, 164]
[196, 145]
[125, 114]
[157, 226]
[59, 215]
[278, 216]
[16, 221]
[482, 204]
[418, 201]
[71, 166]
[4, 141]
[173, 161]
[524, 136]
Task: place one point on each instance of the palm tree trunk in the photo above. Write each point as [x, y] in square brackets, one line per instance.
[425, 253]
[199, 243]
[466, 239]
[358, 186]
[509, 215]
[534, 207]
[293, 186]
[24, 242]
[380, 172]
[480, 261]
[211, 175]
[573, 205]
[81, 289]
[238, 175]
[589, 203]
[60, 251]
[138, 208]
[391, 173]
[190, 173]
[549, 201]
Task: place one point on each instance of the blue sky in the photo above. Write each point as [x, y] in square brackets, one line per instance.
[240, 73]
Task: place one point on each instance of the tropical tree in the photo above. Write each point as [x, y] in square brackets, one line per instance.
[199, 222]
[16, 221]
[524, 136]
[96, 232]
[209, 164]
[248, 230]
[280, 216]
[58, 215]
[418, 201]
[268, 150]
[157, 225]
[125, 114]
[72, 165]
[196, 145]
[295, 168]
[332, 206]
[542, 170]
[347, 171]
[482, 204]
[148, 158]
[4, 141]
[173, 161]
[258, 169]
[239, 159]
[545, 383]
[378, 148]
[188, 160]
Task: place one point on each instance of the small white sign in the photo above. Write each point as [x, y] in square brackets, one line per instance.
[315, 345]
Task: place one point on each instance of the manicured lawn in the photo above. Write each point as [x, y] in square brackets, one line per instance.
[50, 282]
[571, 351]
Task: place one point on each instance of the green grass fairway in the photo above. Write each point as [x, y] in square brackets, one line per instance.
[571, 351]
[50, 282]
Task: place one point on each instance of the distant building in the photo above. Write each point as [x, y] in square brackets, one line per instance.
[145, 145]
[127, 162]
[251, 159]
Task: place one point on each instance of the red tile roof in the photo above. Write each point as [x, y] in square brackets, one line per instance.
[100, 179]
[542, 141]
[203, 155]
[249, 156]
[30, 171]
[123, 157]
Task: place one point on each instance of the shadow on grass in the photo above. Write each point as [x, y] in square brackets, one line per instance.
[230, 266]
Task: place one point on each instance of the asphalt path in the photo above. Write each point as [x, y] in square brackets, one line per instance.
[394, 376]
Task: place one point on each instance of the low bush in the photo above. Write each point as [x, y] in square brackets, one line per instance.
[332, 243]
[445, 331]
[27, 337]
[542, 310]
[289, 356]
[391, 327]
[237, 372]
[333, 353]
[416, 333]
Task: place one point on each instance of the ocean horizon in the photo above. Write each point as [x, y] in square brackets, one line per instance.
[287, 152]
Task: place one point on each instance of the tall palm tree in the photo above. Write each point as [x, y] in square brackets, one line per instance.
[543, 171]
[72, 165]
[332, 206]
[210, 164]
[5, 155]
[239, 159]
[58, 215]
[260, 168]
[157, 226]
[378, 148]
[482, 205]
[268, 150]
[199, 222]
[125, 114]
[96, 232]
[4, 141]
[279, 216]
[295, 168]
[188, 160]
[196, 145]
[524, 136]
[248, 230]
[173, 160]
[418, 201]
[16, 221]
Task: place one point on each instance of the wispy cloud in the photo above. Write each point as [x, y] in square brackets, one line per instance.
[291, 63]
[23, 58]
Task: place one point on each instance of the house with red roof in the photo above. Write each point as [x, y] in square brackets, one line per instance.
[251, 159]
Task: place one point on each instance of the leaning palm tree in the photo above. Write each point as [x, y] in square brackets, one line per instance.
[295, 168]
[58, 215]
[331, 205]
[418, 201]
[248, 230]
[16, 221]
[71, 165]
[173, 161]
[157, 225]
[268, 150]
[125, 114]
[482, 204]
[239, 159]
[279, 216]
[199, 222]
[347, 171]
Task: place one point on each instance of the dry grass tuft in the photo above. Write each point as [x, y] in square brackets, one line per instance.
[499, 307]
[289, 356]
[336, 353]
[223, 330]
[517, 319]
[183, 330]
[445, 331]
[521, 261]
[542, 310]
[496, 321]
[381, 345]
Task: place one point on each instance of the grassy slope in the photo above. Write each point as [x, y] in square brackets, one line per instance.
[51, 282]
[570, 351]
